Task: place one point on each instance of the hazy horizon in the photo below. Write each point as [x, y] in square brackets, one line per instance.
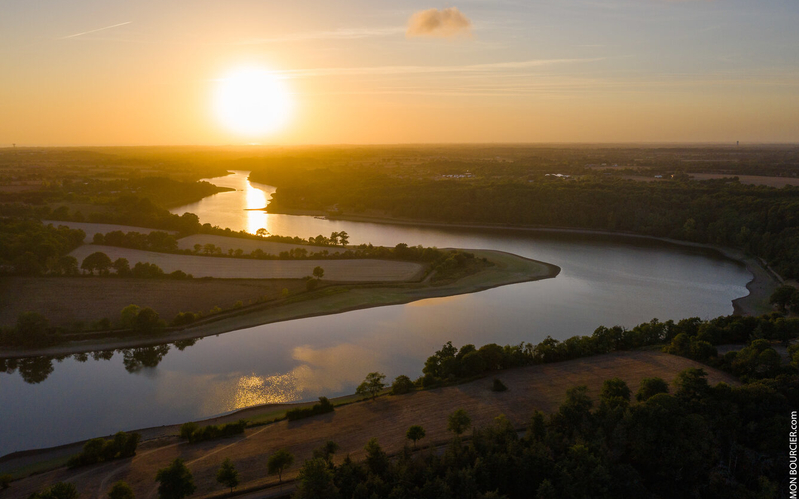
[95, 73]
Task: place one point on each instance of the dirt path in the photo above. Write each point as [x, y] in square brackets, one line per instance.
[387, 418]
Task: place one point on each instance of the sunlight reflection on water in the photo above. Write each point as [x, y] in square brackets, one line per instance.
[253, 390]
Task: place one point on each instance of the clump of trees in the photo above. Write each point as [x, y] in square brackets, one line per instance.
[667, 445]
[324, 406]
[28, 247]
[141, 320]
[98, 450]
[194, 433]
[758, 219]
[786, 297]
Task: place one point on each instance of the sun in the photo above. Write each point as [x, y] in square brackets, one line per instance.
[252, 102]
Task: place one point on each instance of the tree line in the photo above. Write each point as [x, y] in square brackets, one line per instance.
[758, 219]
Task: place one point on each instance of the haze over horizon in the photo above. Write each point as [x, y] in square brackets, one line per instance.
[94, 73]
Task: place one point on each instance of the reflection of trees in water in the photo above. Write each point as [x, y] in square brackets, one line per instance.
[32, 369]
[183, 344]
[36, 369]
[103, 355]
[136, 359]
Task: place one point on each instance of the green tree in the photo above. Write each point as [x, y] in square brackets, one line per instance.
[326, 451]
[415, 433]
[343, 238]
[188, 429]
[318, 272]
[147, 321]
[128, 316]
[67, 265]
[98, 261]
[227, 475]
[783, 296]
[262, 232]
[459, 422]
[279, 462]
[402, 384]
[376, 458]
[651, 387]
[316, 481]
[122, 267]
[121, 490]
[372, 385]
[615, 393]
[175, 481]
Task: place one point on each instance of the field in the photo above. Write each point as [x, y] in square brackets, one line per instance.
[248, 245]
[64, 300]
[238, 268]
[387, 418]
[777, 182]
[92, 228]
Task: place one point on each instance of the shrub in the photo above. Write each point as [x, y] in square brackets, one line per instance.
[324, 406]
[183, 319]
[98, 450]
[186, 429]
[211, 432]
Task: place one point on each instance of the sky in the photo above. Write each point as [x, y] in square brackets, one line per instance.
[110, 72]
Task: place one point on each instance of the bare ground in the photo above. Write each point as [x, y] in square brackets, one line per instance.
[366, 270]
[537, 387]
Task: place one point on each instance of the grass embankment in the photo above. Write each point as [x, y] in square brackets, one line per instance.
[337, 298]
[539, 387]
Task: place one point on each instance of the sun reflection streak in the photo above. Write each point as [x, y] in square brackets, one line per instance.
[253, 390]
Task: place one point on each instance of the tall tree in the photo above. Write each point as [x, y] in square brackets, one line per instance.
[227, 475]
[175, 481]
[279, 462]
[415, 433]
[459, 422]
[121, 490]
[372, 385]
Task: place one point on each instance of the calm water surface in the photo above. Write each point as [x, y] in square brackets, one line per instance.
[604, 281]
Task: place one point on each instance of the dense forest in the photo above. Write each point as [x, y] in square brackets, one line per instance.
[760, 220]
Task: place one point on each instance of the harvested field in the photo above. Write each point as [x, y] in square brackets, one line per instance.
[248, 245]
[64, 300]
[777, 182]
[387, 418]
[239, 268]
[91, 229]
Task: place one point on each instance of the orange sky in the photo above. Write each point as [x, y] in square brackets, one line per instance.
[112, 73]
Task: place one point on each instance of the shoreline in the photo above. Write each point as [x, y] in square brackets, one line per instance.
[764, 279]
[508, 269]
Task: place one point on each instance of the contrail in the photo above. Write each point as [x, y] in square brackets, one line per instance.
[96, 30]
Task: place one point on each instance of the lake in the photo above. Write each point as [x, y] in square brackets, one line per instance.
[604, 281]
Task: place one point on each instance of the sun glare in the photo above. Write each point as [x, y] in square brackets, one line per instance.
[252, 102]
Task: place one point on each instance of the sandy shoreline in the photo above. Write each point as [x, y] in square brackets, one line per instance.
[508, 269]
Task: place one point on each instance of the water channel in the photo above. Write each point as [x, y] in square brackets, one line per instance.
[604, 281]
